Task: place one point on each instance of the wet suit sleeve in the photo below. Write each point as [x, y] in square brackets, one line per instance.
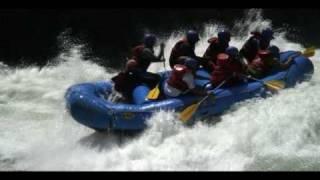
[207, 53]
[264, 44]
[148, 54]
[250, 49]
[212, 51]
[188, 50]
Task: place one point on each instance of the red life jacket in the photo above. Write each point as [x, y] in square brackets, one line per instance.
[219, 73]
[177, 74]
[176, 49]
[137, 51]
[137, 55]
[258, 65]
[236, 67]
[213, 40]
[224, 69]
[122, 81]
[211, 51]
[130, 65]
[223, 60]
[214, 49]
[176, 52]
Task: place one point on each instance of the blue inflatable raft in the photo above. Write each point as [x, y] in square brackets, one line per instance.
[87, 104]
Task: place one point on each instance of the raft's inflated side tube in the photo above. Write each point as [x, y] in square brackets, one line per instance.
[140, 94]
[202, 78]
[300, 70]
[85, 105]
[88, 104]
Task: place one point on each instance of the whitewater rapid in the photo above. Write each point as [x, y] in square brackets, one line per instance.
[277, 133]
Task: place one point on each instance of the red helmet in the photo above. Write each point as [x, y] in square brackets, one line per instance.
[222, 59]
[131, 64]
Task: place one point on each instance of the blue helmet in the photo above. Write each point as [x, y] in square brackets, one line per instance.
[192, 36]
[267, 34]
[232, 51]
[224, 35]
[275, 51]
[149, 39]
[191, 63]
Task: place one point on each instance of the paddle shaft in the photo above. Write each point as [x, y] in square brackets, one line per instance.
[292, 56]
[164, 64]
[249, 77]
[190, 110]
[206, 97]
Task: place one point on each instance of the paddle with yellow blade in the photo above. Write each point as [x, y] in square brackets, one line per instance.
[309, 52]
[272, 85]
[187, 113]
[155, 92]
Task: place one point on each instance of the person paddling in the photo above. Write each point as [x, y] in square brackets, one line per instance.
[181, 80]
